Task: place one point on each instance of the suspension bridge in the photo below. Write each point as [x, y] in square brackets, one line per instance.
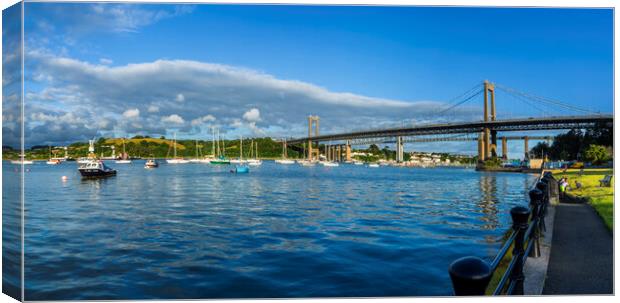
[551, 115]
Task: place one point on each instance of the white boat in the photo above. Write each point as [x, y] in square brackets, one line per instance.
[285, 161]
[237, 161]
[124, 157]
[176, 160]
[198, 158]
[330, 164]
[254, 161]
[25, 162]
[373, 165]
[358, 163]
[53, 162]
[307, 163]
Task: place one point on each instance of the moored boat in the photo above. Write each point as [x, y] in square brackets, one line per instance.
[151, 163]
[176, 160]
[53, 162]
[124, 156]
[96, 168]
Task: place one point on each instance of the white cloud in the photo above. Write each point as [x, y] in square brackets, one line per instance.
[131, 113]
[174, 119]
[232, 94]
[203, 119]
[180, 98]
[105, 61]
[253, 115]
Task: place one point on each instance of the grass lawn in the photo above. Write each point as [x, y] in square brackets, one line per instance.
[601, 198]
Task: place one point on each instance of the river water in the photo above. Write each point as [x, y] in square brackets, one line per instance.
[198, 231]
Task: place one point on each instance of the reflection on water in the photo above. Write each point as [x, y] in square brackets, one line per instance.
[198, 231]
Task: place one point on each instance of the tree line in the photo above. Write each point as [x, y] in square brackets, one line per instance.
[592, 145]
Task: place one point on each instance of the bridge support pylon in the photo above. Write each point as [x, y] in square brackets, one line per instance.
[481, 153]
[348, 151]
[527, 149]
[399, 149]
[504, 148]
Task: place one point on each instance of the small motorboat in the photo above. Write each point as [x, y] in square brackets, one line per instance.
[330, 164]
[123, 161]
[151, 163]
[241, 169]
[285, 161]
[373, 165]
[177, 161]
[254, 162]
[96, 168]
[307, 163]
[358, 163]
[53, 161]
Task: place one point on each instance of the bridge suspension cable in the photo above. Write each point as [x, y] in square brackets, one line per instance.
[547, 101]
[464, 97]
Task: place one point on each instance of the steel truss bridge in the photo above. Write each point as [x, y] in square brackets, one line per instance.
[511, 125]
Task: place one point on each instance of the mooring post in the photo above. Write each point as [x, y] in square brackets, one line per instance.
[520, 216]
[536, 197]
[470, 276]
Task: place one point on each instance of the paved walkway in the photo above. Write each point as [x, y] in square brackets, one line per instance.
[581, 260]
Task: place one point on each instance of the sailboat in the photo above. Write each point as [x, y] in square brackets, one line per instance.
[240, 159]
[124, 158]
[52, 160]
[197, 159]
[176, 160]
[284, 159]
[241, 168]
[254, 161]
[221, 159]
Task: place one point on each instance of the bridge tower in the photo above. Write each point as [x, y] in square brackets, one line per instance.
[490, 136]
[504, 148]
[313, 131]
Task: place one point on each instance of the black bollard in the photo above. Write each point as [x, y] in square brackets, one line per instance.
[544, 188]
[520, 216]
[470, 276]
[536, 197]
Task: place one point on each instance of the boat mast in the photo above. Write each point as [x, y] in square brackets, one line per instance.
[212, 141]
[240, 147]
[174, 142]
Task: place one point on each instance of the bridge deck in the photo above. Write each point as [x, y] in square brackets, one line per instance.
[548, 123]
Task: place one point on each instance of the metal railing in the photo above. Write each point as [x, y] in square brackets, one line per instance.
[471, 275]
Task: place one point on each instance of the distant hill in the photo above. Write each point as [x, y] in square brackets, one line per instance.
[119, 142]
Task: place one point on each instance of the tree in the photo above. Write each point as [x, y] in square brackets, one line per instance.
[540, 150]
[374, 149]
[596, 154]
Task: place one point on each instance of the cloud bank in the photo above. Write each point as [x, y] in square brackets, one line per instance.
[188, 97]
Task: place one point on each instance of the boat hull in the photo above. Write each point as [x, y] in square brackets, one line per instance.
[96, 173]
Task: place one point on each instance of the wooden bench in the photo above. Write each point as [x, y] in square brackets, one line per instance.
[605, 181]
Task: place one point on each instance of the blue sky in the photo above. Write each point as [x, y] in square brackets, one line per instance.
[259, 70]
